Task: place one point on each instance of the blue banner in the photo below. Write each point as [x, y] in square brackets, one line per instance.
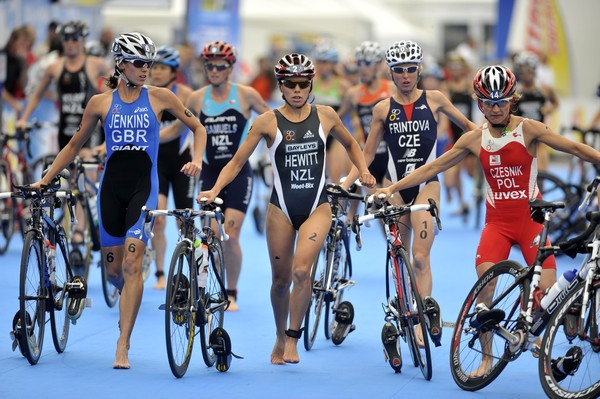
[505, 11]
[210, 20]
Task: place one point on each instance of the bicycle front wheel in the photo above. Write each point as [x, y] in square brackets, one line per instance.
[212, 298]
[412, 315]
[317, 300]
[32, 299]
[477, 354]
[57, 300]
[179, 316]
[570, 353]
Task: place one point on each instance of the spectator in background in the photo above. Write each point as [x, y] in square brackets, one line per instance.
[264, 82]
[13, 89]
[51, 35]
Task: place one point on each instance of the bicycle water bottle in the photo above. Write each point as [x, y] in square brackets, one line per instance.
[51, 258]
[201, 255]
[561, 284]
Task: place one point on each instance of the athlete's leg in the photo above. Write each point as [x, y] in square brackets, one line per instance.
[311, 236]
[131, 297]
[159, 243]
[280, 241]
[232, 251]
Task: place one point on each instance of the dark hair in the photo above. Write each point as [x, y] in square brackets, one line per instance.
[112, 81]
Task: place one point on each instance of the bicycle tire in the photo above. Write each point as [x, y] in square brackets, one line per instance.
[180, 327]
[8, 211]
[57, 298]
[317, 299]
[344, 272]
[585, 382]
[411, 301]
[212, 297]
[32, 299]
[80, 262]
[554, 189]
[466, 348]
[110, 292]
[333, 264]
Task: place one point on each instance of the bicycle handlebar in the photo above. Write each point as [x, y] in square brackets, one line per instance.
[589, 192]
[573, 246]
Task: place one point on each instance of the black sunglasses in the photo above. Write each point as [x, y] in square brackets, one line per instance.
[290, 84]
[401, 69]
[219, 68]
[140, 63]
[71, 38]
[364, 63]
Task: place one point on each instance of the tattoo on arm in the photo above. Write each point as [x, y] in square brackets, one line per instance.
[188, 113]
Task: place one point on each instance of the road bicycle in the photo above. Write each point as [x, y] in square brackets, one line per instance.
[502, 316]
[189, 302]
[331, 275]
[570, 350]
[405, 309]
[13, 171]
[82, 253]
[47, 282]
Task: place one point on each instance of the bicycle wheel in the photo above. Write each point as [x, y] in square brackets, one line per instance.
[212, 298]
[32, 299]
[469, 342]
[81, 251]
[110, 292]
[412, 315]
[561, 339]
[340, 272]
[179, 317]
[8, 210]
[57, 300]
[317, 300]
[554, 189]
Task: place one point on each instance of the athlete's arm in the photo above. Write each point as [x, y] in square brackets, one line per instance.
[447, 108]
[373, 139]
[347, 103]
[463, 146]
[34, 100]
[176, 128]
[91, 115]
[342, 134]
[177, 109]
[254, 99]
[535, 130]
[259, 129]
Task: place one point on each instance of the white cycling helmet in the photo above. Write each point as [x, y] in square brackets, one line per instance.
[368, 52]
[404, 52]
[526, 58]
[133, 46]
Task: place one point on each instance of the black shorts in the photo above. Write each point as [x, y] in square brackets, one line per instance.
[237, 194]
[169, 167]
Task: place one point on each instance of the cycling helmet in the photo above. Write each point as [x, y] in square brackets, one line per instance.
[73, 28]
[404, 52]
[494, 83]
[369, 52]
[133, 46]
[168, 56]
[219, 50]
[294, 66]
[526, 58]
[324, 51]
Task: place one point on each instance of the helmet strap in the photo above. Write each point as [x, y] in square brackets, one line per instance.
[503, 126]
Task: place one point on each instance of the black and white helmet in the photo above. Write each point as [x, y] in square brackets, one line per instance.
[526, 58]
[73, 28]
[133, 46]
[368, 51]
[404, 52]
[294, 66]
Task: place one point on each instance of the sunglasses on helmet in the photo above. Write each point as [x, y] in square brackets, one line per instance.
[290, 84]
[401, 69]
[500, 103]
[219, 68]
[140, 63]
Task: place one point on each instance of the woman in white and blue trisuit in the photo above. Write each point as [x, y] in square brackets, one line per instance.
[131, 114]
[299, 215]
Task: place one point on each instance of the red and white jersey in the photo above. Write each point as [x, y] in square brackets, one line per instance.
[510, 171]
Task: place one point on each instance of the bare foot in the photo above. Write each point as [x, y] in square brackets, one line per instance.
[419, 336]
[122, 357]
[482, 370]
[277, 354]
[160, 283]
[233, 307]
[290, 355]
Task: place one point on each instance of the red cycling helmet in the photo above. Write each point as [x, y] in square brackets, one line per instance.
[219, 50]
[494, 83]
